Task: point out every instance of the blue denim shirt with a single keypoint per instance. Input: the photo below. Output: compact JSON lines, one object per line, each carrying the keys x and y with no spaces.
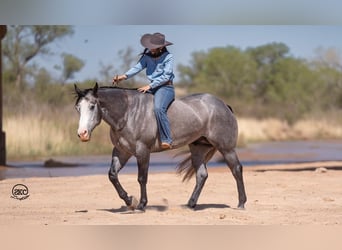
{"x":158,"y":70}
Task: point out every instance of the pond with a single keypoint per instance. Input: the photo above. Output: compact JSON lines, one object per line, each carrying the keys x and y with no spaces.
{"x":265,"y":153}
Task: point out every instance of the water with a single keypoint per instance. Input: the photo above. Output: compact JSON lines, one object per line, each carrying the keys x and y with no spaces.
{"x":265,"y":153}
{"x":291,"y":152}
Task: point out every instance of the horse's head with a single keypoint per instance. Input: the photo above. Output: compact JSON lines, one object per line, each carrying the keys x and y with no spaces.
{"x":88,"y":107}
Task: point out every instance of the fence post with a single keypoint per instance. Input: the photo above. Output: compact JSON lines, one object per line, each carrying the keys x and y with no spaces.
{"x":3,"y":30}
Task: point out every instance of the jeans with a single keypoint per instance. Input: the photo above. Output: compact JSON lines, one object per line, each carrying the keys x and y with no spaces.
{"x":163,"y":97}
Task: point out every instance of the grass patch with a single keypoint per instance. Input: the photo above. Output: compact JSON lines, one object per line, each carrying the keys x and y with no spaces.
{"x":31,"y":137}
{"x":37,"y":136}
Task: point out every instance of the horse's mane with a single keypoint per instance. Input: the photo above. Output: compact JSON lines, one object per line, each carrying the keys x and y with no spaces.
{"x":85,"y":91}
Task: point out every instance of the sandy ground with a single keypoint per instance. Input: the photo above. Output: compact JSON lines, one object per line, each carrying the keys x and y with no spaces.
{"x":292,"y":194}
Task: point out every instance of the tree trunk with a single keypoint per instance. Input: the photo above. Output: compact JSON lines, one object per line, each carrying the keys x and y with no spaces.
{"x":18,"y":81}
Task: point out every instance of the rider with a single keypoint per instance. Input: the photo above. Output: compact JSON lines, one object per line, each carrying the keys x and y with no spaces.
{"x":158,"y":63}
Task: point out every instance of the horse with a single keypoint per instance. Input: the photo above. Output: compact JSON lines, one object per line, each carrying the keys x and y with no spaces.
{"x":201,"y":121}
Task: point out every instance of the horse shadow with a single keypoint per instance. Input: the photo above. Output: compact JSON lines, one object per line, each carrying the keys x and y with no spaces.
{"x":126,"y":210}
{"x":162,"y":208}
{"x":200,"y":207}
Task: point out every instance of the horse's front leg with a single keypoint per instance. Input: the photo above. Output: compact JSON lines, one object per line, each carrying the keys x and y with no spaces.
{"x":143,"y":161}
{"x":119,"y":159}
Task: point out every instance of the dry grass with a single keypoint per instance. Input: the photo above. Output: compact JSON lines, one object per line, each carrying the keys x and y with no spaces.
{"x":251,"y":130}
{"x":312,"y":128}
{"x":31,"y":137}
{"x":28,"y":136}
{"x":46,"y":136}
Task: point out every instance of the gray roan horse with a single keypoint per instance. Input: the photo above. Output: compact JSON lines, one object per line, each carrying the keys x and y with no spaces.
{"x":202,"y":121}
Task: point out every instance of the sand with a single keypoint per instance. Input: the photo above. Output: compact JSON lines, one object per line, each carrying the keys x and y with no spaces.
{"x":291,"y":194}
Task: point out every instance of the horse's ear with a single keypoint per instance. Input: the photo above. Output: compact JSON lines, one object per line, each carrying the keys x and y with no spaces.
{"x":78,"y":91}
{"x":95,"y":88}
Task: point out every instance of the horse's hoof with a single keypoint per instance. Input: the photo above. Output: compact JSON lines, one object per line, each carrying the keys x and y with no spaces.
{"x":134,"y":203}
{"x":241,"y":207}
{"x":141,"y":207}
{"x":191,"y":205}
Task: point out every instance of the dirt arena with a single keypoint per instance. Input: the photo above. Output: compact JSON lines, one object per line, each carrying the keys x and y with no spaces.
{"x":290,"y":194}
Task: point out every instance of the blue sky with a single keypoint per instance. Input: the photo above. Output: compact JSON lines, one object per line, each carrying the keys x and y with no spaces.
{"x":101,"y":43}
{"x":171,"y":12}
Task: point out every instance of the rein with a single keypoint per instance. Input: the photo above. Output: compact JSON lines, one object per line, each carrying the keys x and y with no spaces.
{"x":116,"y":87}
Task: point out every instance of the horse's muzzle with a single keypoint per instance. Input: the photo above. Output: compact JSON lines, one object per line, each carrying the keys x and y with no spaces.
{"x":84,"y":136}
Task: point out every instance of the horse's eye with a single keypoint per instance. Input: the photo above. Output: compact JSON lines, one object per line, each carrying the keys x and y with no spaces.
{"x":77,"y":108}
{"x":91,"y":107}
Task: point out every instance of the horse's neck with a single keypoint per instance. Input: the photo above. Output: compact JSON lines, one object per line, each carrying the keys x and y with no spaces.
{"x":114,"y":106}
{"x":119,"y":106}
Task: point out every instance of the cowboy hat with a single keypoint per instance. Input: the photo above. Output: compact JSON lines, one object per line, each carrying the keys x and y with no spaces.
{"x":154,"y":41}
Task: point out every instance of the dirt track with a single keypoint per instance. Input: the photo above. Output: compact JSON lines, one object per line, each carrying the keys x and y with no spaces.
{"x":294,"y":194}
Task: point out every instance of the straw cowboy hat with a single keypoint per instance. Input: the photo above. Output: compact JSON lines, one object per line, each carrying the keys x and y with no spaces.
{"x":154,"y":41}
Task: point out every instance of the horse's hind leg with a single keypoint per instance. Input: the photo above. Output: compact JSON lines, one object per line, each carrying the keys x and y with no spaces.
{"x":119,"y":159}
{"x":235,"y":166}
{"x":200,"y":155}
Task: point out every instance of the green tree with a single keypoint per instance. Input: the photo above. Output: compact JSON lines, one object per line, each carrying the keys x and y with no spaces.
{"x":226,"y":72}
{"x":266,"y":80}
{"x":292,"y":89}
{"x":266,"y":56}
{"x":328,"y":64}
{"x":268,"y":53}
{"x":71,"y":65}
{"x":23,"y":43}
{"x":188,"y":74}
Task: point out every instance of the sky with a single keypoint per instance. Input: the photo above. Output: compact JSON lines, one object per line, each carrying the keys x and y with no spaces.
{"x":170,"y":12}
{"x":101,"y":43}
{"x":104,"y":27}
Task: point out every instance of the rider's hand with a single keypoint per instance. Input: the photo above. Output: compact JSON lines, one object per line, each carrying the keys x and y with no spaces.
{"x":118,"y":78}
{"x":144,"y":88}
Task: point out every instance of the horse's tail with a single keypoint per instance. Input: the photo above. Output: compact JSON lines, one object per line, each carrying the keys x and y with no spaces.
{"x":185,"y":168}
